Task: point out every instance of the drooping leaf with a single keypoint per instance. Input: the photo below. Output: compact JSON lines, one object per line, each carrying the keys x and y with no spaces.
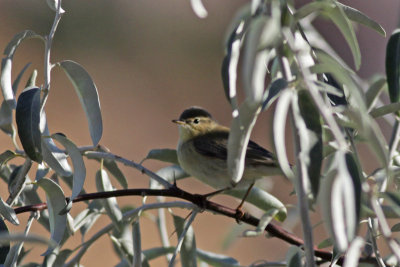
{"x":79,"y":174}
{"x":393,"y":66}
{"x":6,"y":156}
{"x":137,"y":244}
{"x":4,"y":248}
{"x":28,"y":122}
{"x":88,"y":96}
{"x":359,"y":17}
{"x":357,"y":178}
{"x":373,"y":92}
{"x":55,"y":204}
{"x":188,"y":249}
{"x":52,"y":155}
{"x":354,"y":252}
{"x":6,"y":65}
{"x":310,"y":114}
{"x":294,"y":257}
{"x":17,"y":181}
{"x":103,"y":184}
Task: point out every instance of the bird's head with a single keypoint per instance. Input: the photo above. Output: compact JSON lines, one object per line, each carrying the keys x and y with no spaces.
{"x":194,"y":122}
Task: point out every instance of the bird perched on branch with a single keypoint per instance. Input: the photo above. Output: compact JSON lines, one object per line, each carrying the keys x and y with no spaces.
{"x":203,"y":151}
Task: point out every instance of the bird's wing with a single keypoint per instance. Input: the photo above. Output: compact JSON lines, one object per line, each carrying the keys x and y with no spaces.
{"x":215,"y":145}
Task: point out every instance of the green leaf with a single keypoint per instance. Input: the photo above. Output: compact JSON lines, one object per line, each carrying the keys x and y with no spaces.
{"x":55,"y":204}
{"x":6,"y":156}
{"x":88,"y":96}
{"x":393,"y":66}
{"x":137,"y":244}
{"x":103,"y":184}
{"x":373,"y":92}
{"x":359,"y":17}
{"x":4,"y":248}
{"x":338,"y":17}
{"x":385,"y":110}
{"x":164,"y":154}
{"x":79,"y":175}
{"x":310,"y":114}
{"x":188,"y":250}
{"x":312,"y":7}
{"x":357,"y":178}
{"x":264,"y":221}
{"x":6,"y":65}
{"x":28,"y":120}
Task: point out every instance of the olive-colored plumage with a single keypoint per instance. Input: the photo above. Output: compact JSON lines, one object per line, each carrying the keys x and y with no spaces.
{"x":202,"y":152}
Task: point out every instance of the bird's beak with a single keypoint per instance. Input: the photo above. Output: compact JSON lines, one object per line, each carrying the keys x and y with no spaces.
{"x":178,"y":122}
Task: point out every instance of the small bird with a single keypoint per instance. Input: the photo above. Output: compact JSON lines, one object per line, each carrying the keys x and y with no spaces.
{"x":202,"y":152}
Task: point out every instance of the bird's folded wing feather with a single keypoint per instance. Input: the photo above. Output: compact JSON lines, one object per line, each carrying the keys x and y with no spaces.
{"x":215,"y":145}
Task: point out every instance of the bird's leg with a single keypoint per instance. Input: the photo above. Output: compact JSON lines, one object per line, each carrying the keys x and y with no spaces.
{"x":239,"y":211}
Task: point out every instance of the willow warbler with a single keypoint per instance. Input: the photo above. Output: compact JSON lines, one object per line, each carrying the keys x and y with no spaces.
{"x":202,"y":152}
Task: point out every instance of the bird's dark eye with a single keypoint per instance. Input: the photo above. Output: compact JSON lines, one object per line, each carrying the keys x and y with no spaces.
{"x":196,"y":121}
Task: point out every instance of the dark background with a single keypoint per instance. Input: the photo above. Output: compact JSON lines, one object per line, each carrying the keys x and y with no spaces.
{"x":150,"y":60}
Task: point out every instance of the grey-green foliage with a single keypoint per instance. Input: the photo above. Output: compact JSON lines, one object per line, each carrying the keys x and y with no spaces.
{"x":282,"y":59}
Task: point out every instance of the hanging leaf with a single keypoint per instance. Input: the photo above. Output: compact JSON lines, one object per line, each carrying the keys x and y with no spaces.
{"x":28,"y":120}
{"x":374,"y":91}
{"x":4,"y":248}
{"x":55,"y":204}
{"x":88,"y":96}
{"x":199,"y":8}
{"x":393,"y":66}
{"x":310,"y":114}
{"x":103,"y":184}
{"x":6,"y":65}
{"x":188,"y":250}
{"x":273,"y":91}
{"x":79,"y":174}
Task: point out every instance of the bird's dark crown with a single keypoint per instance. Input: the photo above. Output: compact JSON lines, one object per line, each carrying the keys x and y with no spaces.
{"x":193,"y":112}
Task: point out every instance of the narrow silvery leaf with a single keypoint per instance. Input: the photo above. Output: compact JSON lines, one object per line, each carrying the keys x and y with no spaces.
{"x":8,"y":212}
{"x":393,"y":66}
{"x":338,"y":17}
{"x":359,"y":17}
{"x":4,"y":248}
{"x":27,"y":117}
{"x":354,"y":252}
{"x":373,"y":92}
{"x":113,"y":168}
{"x":6,"y":111}
{"x":55,"y":204}
{"x":17,"y":181}
{"x":217,"y":260}
{"x":77,"y":162}
{"x":357,"y":179}
{"x":62,"y":257}
{"x":199,"y":9}
{"x":311,"y":7}
{"x":188,"y":249}
{"x":164,"y":154}
{"x":5,"y":238}
{"x":243,"y":122}
{"x":6,"y":65}
{"x":263,"y":32}
{"x":325,"y":243}
{"x":279,"y":129}
{"x":110,"y":204}
{"x":6,"y":156}
{"x":385,"y":110}
{"x":53,"y":4}
{"x":137,"y":244}
{"x":261,"y":199}
{"x":88,"y":96}
{"x":52,"y":155}
{"x":310,"y":114}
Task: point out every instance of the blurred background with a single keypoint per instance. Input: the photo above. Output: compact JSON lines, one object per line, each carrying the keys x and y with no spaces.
{"x":150,"y":60}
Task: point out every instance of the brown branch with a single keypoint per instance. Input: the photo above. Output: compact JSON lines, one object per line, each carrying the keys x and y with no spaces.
{"x":273,"y":229}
